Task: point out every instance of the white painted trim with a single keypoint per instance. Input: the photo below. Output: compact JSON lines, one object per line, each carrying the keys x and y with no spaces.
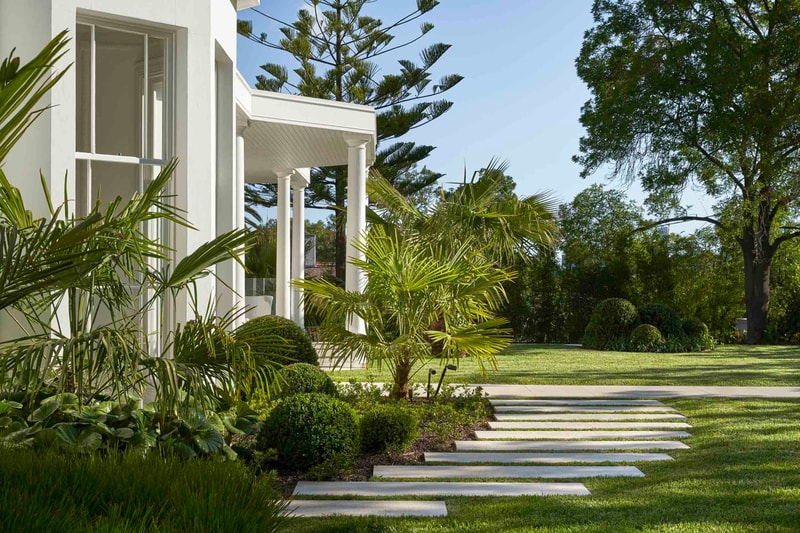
{"x":128,"y":159}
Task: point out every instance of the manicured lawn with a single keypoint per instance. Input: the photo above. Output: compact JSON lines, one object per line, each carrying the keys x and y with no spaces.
{"x":741,"y":474}
{"x":566,"y":365}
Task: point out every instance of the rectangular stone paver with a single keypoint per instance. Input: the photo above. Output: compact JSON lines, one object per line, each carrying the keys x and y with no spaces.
{"x":548,"y":458}
{"x":574,"y":402}
{"x":569,"y":435}
{"x":588,"y":425}
{"x":566,"y":445}
{"x":492,"y":471}
{"x":587,"y":416}
{"x":582,"y":409}
{"x":314,"y":508}
{"x":436,"y":489}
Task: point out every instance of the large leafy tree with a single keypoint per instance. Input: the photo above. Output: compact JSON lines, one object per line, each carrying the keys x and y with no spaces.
{"x":337,"y":48}
{"x":706,"y":94}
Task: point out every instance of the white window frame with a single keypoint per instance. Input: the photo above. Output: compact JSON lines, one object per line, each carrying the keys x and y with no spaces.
{"x":168,"y":136}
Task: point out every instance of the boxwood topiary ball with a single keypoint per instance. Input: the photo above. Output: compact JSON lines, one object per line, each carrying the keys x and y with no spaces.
{"x":612,"y":319}
{"x":259,"y":334}
{"x":310,"y":429}
{"x":645,"y":336}
{"x":300,"y":378}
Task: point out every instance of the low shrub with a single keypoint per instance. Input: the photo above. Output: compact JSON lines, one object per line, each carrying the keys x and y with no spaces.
{"x":662,"y":317}
{"x":694,"y":327}
{"x":611,"y":319}
{"x":387,"y":428}
{"x":646,"y":337}
{"x":51,"y":492}
{"x":310,"y":429}
{"x":299,"y":378}
{"x":260,"y":334}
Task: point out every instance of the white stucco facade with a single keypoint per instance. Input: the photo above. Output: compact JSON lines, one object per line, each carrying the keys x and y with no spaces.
{"x":223,"y":132}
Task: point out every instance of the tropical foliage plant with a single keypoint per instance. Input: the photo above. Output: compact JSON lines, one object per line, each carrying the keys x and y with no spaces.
{"x":435,"y":277}
{"x":88,"y":294}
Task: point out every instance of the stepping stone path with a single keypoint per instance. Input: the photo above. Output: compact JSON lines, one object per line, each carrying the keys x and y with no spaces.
{"x":561,"y":433}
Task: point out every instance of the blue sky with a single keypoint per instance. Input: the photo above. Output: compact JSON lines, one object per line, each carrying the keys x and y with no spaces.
{"x":520,"y":99}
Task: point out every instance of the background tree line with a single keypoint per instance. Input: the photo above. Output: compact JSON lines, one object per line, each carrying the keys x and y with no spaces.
{"x":603,"y":254}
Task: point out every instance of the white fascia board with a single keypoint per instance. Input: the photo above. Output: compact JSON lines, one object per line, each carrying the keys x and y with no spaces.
{"x":313,"y":112}
{"x":246,"y":4}
{"x":242,"y":94}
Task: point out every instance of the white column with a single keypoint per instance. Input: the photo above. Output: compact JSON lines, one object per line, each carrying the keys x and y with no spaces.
{"x":355,"y":279}
{"x":238,"y":273}
{"x":282,"y":287}
{"x":298,"y":251}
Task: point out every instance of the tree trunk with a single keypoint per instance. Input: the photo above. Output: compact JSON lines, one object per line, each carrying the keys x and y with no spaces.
{"x":402,"y":371}
{"x":756,"y":287}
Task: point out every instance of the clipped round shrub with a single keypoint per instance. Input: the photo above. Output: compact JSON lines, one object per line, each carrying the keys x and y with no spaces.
{"x":645,"y":336}
{"x":662,"y":317}
{"x":308,"y":430}
{"x":300,"y":378}
{"x":387,"y":428}
{"x":262,"y":334}
{"x":694,"y":327}
{"x":611,"y":319}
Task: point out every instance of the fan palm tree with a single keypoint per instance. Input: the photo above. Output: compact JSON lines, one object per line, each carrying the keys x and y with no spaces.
{"x":435,"y":278}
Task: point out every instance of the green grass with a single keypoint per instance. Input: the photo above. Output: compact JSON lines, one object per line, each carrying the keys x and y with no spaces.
{"x":564,"y":365}
{"x":741,"y":474}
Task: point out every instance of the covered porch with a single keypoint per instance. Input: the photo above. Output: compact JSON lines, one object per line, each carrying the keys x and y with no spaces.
{"x":279,"y":138}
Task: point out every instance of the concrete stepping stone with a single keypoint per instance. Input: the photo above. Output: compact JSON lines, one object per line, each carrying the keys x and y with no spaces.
{"x":588,"y":425}
{"x":436,"y":489}
{"x":589,"y":434}
{"x":315,"y":508}
{"x":566,"y":445}
{"x":491,"y":471}
{"x":587,"y":416}
{"x":582,"y":409}
{"x":549,"y":458}
{"x":574,"y":402}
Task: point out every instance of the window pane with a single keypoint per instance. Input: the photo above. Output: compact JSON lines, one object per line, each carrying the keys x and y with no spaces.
{"x":157,"y":137}
{"x":110,"y":180}
{"x":83,"y":81}
{"x":83,"y":199}
{"x":119,"y":87}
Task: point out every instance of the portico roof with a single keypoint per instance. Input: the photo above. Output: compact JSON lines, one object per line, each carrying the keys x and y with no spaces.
{"x":285,"y":131}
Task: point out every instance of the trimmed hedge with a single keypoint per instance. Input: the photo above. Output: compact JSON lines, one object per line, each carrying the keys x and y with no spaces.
{"x":387,"y":428}
{"x":646,"y":337}
{"x":694,"y":327}
{"x":260,"y":334}
{"x":662,"y":317}
{"x":308,"y":430}
{"x":301,"y":378}
{"x":612,"y":319}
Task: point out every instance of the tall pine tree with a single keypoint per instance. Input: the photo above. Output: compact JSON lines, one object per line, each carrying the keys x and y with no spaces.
{"x":336,"y":47}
